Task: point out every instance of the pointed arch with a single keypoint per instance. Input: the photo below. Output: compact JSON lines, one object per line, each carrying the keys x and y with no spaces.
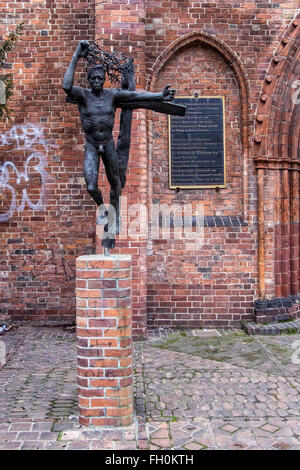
{"x":233,"y":61}
{"x":276,"y":148}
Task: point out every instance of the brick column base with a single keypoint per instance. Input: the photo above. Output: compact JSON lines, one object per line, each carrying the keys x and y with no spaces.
{"x":103,"y":318}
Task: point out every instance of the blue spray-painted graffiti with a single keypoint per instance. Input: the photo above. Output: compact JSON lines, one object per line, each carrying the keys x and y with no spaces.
{"x":23,"y":137}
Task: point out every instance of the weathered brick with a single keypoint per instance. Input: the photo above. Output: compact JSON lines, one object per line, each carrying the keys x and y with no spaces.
{"x":119,"y":411}
{"x":104,"y":402}
{"x":104,"y":363}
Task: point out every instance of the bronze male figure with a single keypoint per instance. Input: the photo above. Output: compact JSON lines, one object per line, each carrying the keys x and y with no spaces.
{"x":97,"y":107}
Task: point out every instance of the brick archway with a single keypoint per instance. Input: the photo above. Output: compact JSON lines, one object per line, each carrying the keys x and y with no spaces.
{"x":276,"y":154}
{"x":183,"y":284}
{"x":229,"y":56}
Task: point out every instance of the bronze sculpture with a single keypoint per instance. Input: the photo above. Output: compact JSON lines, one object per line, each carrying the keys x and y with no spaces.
{"x":97,"y":107}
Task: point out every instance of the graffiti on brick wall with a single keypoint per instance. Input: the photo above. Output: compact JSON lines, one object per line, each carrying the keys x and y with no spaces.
{"x":23,"y":137}
{"x":5,"y":176}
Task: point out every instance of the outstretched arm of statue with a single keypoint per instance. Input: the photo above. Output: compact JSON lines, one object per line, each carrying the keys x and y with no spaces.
{"x":124,"y":96}
{"x":68,"y":80}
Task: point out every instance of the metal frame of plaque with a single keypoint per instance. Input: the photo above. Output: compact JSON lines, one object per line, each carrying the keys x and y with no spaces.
{"x":222,"y":148}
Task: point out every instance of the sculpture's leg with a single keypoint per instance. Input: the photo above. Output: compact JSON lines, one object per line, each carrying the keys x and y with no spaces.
{"x":111,"y":165}
{"x":91,"y":169}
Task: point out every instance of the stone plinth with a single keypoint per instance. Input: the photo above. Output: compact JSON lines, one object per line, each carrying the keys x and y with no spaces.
{"x":103,"y":318}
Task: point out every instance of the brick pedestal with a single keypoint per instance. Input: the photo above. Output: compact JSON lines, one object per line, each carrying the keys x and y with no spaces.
{"x":103,"y":317}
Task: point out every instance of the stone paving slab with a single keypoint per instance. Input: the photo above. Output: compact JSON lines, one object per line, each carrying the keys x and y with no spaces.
{"x":192,"y":392}
{"x":236,"y":348}
{"x":239,"y":401}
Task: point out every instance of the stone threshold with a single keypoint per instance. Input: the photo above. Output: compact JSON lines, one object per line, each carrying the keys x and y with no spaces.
{"x":273,"y":328}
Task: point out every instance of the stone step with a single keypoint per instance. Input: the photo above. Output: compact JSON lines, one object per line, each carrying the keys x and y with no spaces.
{"x":274,"y":328}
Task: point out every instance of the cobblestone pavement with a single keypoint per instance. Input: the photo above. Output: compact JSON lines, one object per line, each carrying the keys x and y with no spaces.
{"x":195,"y":390}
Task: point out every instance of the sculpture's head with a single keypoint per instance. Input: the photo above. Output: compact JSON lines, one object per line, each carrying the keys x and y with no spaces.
{"x":96,"y":77}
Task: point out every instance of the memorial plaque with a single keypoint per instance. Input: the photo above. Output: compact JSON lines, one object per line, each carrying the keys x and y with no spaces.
{"x":197,"y":144}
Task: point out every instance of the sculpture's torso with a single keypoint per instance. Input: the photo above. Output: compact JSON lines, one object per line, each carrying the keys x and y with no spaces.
{"x":97,"y":112}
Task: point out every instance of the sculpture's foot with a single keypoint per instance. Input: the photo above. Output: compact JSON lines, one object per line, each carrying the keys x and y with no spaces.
{"x":102,"y":219}
{"x":108,"y":244}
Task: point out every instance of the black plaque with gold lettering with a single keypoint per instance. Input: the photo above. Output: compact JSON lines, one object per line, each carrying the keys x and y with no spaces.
{"x":197,"y":144}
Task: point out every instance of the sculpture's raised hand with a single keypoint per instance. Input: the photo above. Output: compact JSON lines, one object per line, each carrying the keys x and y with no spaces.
{"x":82,"y":49}
{"x":168,"y":95}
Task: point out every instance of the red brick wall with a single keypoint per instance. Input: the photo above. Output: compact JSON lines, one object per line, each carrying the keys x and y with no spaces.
{"x":40,"y":246}
{"x":218,"y":284}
